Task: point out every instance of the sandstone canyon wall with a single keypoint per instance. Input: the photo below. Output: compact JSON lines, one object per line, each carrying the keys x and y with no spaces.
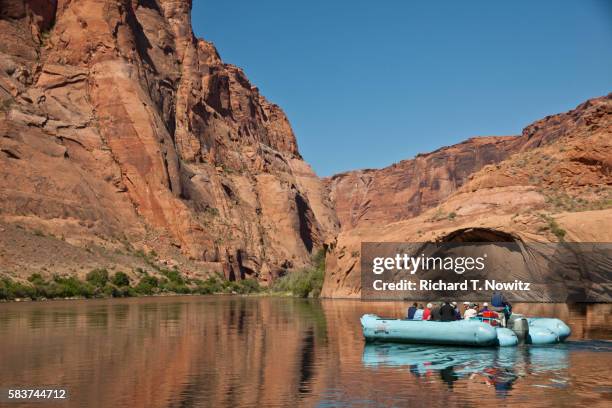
{"x":405,"y":189}
{"x":552,"y":183}
{"x":120,"y":132}
{"x":410,"y":187}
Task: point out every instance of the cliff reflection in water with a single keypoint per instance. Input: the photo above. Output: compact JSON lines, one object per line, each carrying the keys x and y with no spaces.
{"x":234,"y":351}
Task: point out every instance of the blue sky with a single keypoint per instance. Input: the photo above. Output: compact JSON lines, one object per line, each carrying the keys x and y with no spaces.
{"x":369,"y":83}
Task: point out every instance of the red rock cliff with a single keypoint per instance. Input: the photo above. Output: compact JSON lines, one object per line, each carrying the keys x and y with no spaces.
{"x":121,"y":130}
{"x":554,"y":182}
{"x":405,"y":189}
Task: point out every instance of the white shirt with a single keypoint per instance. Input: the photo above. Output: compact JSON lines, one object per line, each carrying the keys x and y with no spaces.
{"x":470,"y":313}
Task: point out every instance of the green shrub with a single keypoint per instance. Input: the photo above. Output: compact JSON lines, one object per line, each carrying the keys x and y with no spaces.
{"x":305,"y":282}
{"x":4,"y":292}
{"x":208,"y":286}
{"x":242,"y":287}
{"x":175,"y":287}
{"x":173,"y":275}
{"x":46,"y":290}
{"x":249,"y":286}
{"x":144,"y":288}
{"x":120,"y":279}
{"x":97,"y":277}
{"x":38,"y":287}
{"x":553,"y":226}
{"x":147,"y":285}
{"x":229,"y":287}
{"x":557,"y":230}
{"x":111,"y":290}
{"x":212,"y":211}
{"x":36,"y":279}
{"x":150,"y":280}
{"x":71,"y":286}
{"x":318,"y":259}
{"x":10,"y":290}
{"x":301,"y":283}
{"x":98,"y":283}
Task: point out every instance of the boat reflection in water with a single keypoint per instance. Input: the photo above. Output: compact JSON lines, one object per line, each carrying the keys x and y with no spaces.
{"x":499,"y":367}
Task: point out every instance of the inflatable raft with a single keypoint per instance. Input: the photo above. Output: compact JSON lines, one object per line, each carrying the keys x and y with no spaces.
{"x":472,"y":332}
{"x":545,"y":330}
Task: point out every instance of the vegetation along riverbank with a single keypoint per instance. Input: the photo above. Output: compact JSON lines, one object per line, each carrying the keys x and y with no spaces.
{"x":100,"y":283}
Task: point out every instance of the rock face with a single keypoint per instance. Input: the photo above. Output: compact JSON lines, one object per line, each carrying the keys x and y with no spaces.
{"x":410,"y":187}
{"x":120,"y":131}
{"x":554,"y":182}
{"x":407,"y":188}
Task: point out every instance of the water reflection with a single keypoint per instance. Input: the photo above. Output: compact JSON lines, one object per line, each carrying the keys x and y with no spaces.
{"x":498,"y":367}
{"x":235,"y":351}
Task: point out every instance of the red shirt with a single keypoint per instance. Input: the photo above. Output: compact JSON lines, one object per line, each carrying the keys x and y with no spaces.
{"x":426,"y":314}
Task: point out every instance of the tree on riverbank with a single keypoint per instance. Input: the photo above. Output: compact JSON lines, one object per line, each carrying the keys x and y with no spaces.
{"x":306,"y":282}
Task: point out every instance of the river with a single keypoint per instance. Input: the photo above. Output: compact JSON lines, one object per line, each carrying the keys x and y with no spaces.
{"x":228,"y":351}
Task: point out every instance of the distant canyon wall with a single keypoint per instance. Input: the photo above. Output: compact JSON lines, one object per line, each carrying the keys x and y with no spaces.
{"x":552,"y":183}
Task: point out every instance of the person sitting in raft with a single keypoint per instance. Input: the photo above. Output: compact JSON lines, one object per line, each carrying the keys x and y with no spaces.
{"x":447,"y":312}
{"x":501,"y":304}
{"x":485,"y":307}
{"x":466,"y":306}
{"x":491,"y":317}
{"x":457,"y":311}
{"x":471,"y":312}
{"x":435,"y":312}
{"x":411,"y":310}
{"x":418,"y":314}
{"x":427,"y":312}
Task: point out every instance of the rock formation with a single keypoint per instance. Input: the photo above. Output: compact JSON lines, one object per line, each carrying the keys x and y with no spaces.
{"x":405,"y":189}
{"x":410,"y":187}
{"x":554,"y":182}
{"x":121,"y":131}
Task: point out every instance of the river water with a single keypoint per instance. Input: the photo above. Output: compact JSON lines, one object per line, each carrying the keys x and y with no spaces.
{"x":228,"y":351}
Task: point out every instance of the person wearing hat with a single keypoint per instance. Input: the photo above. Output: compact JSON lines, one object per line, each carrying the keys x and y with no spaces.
{"x":485,"y":308}
{"x":427,"y":312}
{"x":471,"y":312}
